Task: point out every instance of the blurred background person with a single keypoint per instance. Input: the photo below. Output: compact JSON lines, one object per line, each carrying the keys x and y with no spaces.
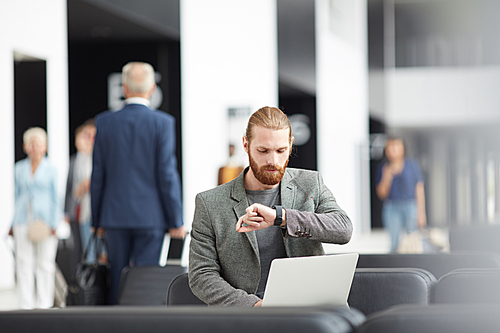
{"x":77,"y":201}
{"x":231,"y":170}
{"x":35,"y":200}
{"x":400,"y":185}
{"x":135,"y":191}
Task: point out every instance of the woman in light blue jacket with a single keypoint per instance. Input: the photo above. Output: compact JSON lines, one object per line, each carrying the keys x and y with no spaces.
{"x":36,"y":200}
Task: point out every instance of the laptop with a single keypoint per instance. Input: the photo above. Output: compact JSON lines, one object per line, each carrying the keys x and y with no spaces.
{"x":311,"y":281}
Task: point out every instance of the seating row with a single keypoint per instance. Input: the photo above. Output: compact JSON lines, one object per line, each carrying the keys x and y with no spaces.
{"x":437,"y":263}
{"x":382,"y":300}
{"x":148,"y":285}
{"x":376,"y":289}
{"x":442,"y":318}
{"x":373,"y":289}
{"x":131,"y":319}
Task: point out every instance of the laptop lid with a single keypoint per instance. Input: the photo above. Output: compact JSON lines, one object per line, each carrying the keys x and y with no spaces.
{"x":310,"y":281}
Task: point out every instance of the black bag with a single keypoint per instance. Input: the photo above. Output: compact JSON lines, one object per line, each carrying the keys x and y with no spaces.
{"x":91,"y":282}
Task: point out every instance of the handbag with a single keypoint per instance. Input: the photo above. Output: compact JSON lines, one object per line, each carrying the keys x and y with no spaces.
{"x":425,"y":240}
{"x":411,"y":243}
{"x":38,"y":231}
{"x":91,"y":282}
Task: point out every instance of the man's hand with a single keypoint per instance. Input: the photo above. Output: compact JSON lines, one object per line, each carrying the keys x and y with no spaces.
{"x":179,"y":233}
{"x":83,"y":187}
{"x":421,"y":220}
{"x":393,"y":169}
{"x":257,"y":217}
{"x":100,"y":231}
{"x":258,"y":304}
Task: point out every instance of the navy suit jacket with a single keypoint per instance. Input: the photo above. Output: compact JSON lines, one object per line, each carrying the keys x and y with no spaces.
{"x":135,"y":183}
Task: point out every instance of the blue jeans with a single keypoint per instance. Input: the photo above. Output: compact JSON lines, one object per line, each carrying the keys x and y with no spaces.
{"x":399,"y":215}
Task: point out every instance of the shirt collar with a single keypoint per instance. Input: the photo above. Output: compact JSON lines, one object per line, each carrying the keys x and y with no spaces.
{"x":40,"y":166}
{"x":138,"y":100}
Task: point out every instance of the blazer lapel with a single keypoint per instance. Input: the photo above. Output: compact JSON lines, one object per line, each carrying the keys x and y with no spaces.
{"x":287,"y":191}
{"x":238,"y":193}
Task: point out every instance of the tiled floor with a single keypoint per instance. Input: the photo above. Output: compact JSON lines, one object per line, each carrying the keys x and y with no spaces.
{"x":8,"y":300}
{"x":375,"y":242}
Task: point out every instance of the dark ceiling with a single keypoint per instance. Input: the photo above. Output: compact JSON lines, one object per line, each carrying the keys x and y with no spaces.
{"x":102,"y":21}
{"x":114,"y":20}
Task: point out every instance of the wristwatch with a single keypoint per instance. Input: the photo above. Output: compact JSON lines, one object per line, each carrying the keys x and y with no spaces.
{"x":279,"y":215}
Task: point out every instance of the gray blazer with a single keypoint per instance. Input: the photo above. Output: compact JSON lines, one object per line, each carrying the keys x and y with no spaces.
{"x":224,"y":265}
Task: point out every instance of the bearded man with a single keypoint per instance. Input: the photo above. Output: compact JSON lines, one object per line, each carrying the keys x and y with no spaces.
{"x":269,"y":211}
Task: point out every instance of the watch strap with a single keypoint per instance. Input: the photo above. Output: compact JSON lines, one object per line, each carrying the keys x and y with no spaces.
{"x":279,"y":215}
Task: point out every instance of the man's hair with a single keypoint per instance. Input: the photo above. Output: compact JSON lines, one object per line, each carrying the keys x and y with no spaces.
{"x":35,"y":132}
{"x":392,"y":137}
{"x":89,"y":122}
{"x":139,"y":77}
{"x":271,"y":118}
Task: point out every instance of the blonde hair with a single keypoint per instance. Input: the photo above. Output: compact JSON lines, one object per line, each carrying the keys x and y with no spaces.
{"x":271,"y":118}
{"x":34,"y":132}
{"x":139,"y":77}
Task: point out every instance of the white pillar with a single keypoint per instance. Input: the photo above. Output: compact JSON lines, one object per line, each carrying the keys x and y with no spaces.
{"x":58,"y":118}
{"x":342,"y":105}
{"x":228,"y":60}
{"x":7,"y":164}
{"x":57,"y":95}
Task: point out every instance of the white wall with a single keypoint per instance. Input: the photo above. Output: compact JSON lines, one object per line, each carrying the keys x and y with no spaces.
{"x":6,"y":164}
{"x":342,"y":105}
{"x":442,"y":96}
{"x":376,"y":82}
{"x":228,"y":59}
{"x":36,"y":28}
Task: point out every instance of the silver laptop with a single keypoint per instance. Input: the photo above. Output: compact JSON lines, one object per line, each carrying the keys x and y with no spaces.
{"x":311,"y":281}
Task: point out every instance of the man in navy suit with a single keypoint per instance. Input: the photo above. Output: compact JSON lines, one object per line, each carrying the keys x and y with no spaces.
{"x":135,"y":187}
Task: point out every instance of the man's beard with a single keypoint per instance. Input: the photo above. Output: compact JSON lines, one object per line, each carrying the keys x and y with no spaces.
{"x":264,"y":177}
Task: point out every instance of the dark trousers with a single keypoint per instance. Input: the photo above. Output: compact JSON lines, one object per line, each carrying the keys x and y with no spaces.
{"x":77,"y":252}
{"x":131,"y":247}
